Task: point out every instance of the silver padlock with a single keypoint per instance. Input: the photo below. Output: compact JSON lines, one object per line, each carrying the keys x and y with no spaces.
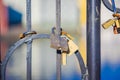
{"x":60,"y":44}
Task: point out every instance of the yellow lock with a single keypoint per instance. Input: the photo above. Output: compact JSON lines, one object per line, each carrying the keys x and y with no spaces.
{"x":68,"y":35}
{"x":64,"y":58}
{"x":108,"y":23}
{"x":117,"y":23}
{"x":72,"y":47}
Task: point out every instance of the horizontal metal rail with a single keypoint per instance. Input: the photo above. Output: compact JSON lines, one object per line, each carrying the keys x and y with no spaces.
{"x":38,"y":36}
{"x":29,"y":40}
{"x":15,"y":46}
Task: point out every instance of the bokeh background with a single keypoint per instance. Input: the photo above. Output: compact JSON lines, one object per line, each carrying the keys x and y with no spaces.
{"x":13,"y":18}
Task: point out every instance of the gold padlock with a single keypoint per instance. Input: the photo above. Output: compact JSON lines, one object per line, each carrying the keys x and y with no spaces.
{"x":117,"y":23}
{"x":64,"y":58}
{"x":72,"y":47}
{"x":108,"y":23}
{"x":68,"y":35}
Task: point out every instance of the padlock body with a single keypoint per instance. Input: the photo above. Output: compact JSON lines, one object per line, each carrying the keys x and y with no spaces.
{"x":64,"y":58}
{"x":108,"y":23}
{"x":72,"y":47}
{"x":56,"y":44}
{"x":117,"y":23}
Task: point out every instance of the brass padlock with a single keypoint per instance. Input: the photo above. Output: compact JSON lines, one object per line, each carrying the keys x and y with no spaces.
{"x":117,"y":23}
{"x":67,"y":35}
{"x":72,"y":47}
{"x":64,"y":58}
{"x":108,"y":23}
{"x":116,"y":28}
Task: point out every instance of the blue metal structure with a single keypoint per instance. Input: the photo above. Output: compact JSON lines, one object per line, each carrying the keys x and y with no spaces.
{"x":93,"y":39}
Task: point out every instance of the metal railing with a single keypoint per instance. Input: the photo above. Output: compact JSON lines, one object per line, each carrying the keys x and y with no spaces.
{"x":28,"y":41}
{"x":93,"y":41}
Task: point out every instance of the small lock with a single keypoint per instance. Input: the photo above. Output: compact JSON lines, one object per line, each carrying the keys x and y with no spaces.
{"x":108,"y":23}
{"x":72,"y":47}
{"x":116,"y":28}
{"x":117,"y":23}
{"x":64,"y":58}
{"x":63,"y":45}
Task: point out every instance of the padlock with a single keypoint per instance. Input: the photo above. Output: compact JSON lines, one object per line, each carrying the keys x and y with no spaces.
{"x":64,"y":58}
{"x":72,"y":47}
{"x":116,"y":28}
{"x":59,"y":43}
{"x":108,"y":23}
{"x":117,"y":23}
{"x":63,"y":45}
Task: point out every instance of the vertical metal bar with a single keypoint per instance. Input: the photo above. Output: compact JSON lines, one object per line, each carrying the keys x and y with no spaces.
{"x":58,"y":17}
{"x":58,"y":64}
{"x":93,"y":39}
{"x":29,"y":60}
{"x":58,"y":32}
{"x":29,"y":43}
{"x":28,"y":14}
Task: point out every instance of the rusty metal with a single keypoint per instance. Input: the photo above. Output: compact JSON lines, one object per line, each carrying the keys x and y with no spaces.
{"x":23,"y":35}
